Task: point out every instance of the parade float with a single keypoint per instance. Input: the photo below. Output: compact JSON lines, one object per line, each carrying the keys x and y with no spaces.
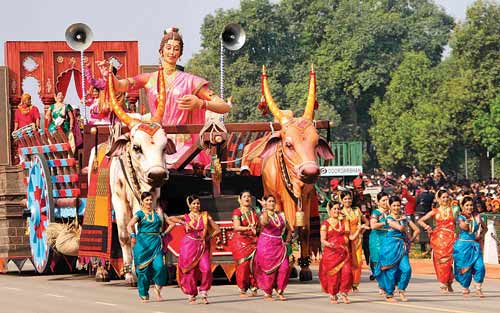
{"x":61,"y":196}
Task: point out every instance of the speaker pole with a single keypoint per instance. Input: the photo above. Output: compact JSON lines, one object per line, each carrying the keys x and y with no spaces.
{"x":221,"y":69}
{"x":85,"y":120}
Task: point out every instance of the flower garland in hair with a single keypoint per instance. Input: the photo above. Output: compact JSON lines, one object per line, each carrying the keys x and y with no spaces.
{"x":171,"y":30}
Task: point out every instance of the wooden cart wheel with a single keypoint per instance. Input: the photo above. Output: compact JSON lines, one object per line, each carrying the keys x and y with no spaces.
{"x":40,"y":204}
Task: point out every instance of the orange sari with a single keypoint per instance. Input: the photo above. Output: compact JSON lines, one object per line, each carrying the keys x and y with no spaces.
{"x":353,"y":216}
{"x":442,"y":239}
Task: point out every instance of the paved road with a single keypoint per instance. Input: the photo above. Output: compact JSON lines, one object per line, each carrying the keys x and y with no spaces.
{"x":30,"y":293}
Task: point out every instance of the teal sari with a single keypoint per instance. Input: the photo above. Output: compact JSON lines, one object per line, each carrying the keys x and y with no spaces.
{"x":468,"y":256}
{"x":148,"y":253}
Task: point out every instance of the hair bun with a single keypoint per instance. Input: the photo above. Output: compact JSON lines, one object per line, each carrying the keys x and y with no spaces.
{"x":171,"y":30}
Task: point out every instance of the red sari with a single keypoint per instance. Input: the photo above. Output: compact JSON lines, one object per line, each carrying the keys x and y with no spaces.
{"x":442,"y":240}
{"x":243,"y":248}
{"x":335,"y":273}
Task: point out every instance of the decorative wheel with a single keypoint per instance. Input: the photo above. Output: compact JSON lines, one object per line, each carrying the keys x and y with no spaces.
{"x":41,"y":207}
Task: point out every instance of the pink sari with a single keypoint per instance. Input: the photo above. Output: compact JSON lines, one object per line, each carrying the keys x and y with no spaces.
{"x":270,"y":265}
{"x":182,"y":84}
{"x":194,"y":259}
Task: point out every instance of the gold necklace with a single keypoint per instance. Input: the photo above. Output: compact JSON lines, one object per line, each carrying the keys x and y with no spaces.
{"x":275,"y":219}
{"x":349,"y":212}
{"x":336,"y":224}
{"x":169,"y":68}
{"x":193,"y":217}
{"x":150,"y":217}
{"x":247,"y":218}
{"x":471,"y":224}
{"x":444,"y":216}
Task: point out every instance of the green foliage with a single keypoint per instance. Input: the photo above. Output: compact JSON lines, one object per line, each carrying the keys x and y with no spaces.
{"x":409,"y":129}
{"x":432,"y":111}
{"x":355,"y":46}
{"x":487,"y":126}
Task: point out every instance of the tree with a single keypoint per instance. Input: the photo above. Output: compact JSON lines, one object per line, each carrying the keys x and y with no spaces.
{"x":411,"y":127}
{"x":355,"y":46}
{"x":476,"y":46}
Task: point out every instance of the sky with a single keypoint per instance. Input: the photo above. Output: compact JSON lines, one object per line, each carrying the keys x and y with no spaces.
{"x":144,"y":21}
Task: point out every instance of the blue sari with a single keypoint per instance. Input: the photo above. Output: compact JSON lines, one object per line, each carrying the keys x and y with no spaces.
{"x":376,"y":236}
{"x":148,"y":253}
{"x":468,"y":255}
{"x":393,"y":267}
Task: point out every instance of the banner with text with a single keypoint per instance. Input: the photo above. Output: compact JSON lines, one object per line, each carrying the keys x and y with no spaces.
{"x":340,"y":170}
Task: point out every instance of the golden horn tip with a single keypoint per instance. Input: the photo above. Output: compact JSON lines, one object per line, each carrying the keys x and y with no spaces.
{"x":264,"y":69}
{"x":312,"y":67}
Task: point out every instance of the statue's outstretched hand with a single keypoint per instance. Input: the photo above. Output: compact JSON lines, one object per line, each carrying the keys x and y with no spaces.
{"x":103,"y":66}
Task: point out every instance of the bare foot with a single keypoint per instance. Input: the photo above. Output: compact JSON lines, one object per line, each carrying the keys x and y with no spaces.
{"x":192,"y":300}
{"x":334,"y":300}
{"x":144,"y":299}
{"x":157,"y":291}
{"x":205,"y":300}
{"x":444,"y":289}
{"x":345,"y":299}
{"x":253,"y":293}
{"x":281,"y":297}
{"x":381,"y":292}
{"x":268,"y":298}
{"x":480,"y":293}
{"x":450,"y":289}
{"x":243,"y":295}
{"x":355,"y":289}
{"x":403,"y":296}
{"x":390,"y":299}
{"x":466,"y":292}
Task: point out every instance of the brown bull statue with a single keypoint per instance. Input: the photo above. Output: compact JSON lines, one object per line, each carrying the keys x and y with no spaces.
{"x":289,"y":164}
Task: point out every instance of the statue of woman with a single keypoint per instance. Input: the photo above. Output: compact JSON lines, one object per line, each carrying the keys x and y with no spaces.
{"x":187,"y":96}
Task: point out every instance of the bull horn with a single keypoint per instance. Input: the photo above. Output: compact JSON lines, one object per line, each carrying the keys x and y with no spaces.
{"x":311,"y":95}
{"x":273,"y":107}
{"x":117,"y":108}
{"x":160,"y":108}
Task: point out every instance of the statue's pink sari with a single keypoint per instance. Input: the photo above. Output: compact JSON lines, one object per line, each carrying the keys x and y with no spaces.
{"x":182,"y":84}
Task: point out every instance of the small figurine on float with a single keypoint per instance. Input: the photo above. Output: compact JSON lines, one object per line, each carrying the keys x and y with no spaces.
{"x":26,"y":113}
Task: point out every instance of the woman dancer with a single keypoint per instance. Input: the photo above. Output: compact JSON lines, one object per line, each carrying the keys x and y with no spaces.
{"x":335,"y":273}
{"x":379,"y":229}
{"x":442,"y":238}
{"x":243,"y":244}
{"x":147,"y":247}
{"x":195,"y":257}
{"x":467,"y":252}
{"x":271,"y":267}
{"x":355,"y":219}
{"x":393,"y":268}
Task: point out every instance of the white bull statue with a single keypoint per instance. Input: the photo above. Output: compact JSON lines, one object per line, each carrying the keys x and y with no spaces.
{"x":138,"y":165}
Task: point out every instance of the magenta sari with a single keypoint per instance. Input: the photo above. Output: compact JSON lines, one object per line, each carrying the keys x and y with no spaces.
{"x":194,"y":258}
{"x":270,"y":265}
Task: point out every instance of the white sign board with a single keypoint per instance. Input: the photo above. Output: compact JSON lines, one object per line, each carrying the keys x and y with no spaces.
{"x":340,"y":170}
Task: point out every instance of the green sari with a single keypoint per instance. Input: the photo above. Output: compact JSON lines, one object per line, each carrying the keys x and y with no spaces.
{"x":58,"y":114}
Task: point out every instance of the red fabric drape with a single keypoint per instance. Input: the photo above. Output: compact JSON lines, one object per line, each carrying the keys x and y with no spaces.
{"x":64,"y":78}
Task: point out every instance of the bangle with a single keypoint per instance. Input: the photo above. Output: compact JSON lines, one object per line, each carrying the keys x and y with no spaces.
{"x":204,"y":105}
{"x":132,"y":235}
